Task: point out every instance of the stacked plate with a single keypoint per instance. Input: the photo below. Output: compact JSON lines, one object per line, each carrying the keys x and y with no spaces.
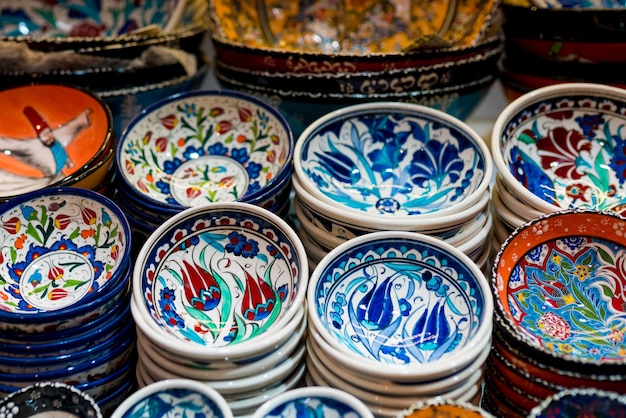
{"x":65,"y":313}
{"x":199,"y":148}
{"x":45,"y":145}
{"x":557,"y":148}
{"x":396,"y":318}
{"x":558,"y":282}
{"x":218,"y":297}
{"x":392,"y":166}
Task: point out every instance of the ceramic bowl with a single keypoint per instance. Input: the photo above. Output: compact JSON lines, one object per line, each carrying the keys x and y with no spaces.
{"x":49,"y":398}
{"x":557,"y":283}
{"x":392,"y":160}
{"x":64,"y":250}
{"x":558,"y":147}
{"x":204,"y":146}
{"x":220,"y":281}
{"x":45,"y":144}
{"x":295,"y":402}
{"x":582,"y":402}
{"x":440,"y":408}
{"x":367,"y":296}
{"x":295,"y":27}
{"x":181,"y":395}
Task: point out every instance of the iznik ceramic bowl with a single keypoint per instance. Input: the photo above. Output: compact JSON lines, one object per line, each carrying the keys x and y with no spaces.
{"x":82,"y":18}
{"x":49,"y":399}
{"x":443,"y":408}
{"x":62,"y":249}
{"x":182,"y":397}
{"x":583,"y":402}
{"x":393,"y":160}
{"x":313,"y":401}
{"x":220,"y":281}
{"x":44,"y":144}
{"x":404,"y":305}
{"x":559,"y":282}
{"x":561,"y":147}
{"x":204,"y":146}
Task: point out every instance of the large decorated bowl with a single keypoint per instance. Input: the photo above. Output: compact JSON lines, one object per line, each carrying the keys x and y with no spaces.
{"x":44,"y":144}
{"x":220,"y":282}
{"x":582,"y":402}
{"x":559,"y":286}
{"x":561,"y":147}
{"x":402,"y":305}
{"x":393,"y":160}
{"x":204,"y":146}
{"x":63,"y":250}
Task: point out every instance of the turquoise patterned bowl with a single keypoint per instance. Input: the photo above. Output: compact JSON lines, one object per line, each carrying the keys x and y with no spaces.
{"x":395,"y":161}
{"x":311,"y":401}
{"x":562,"y":147}
{"x":559,"y":283}
{"x":175,"y":397}
{"x":220,"y":282}
{"x":401,"y":306}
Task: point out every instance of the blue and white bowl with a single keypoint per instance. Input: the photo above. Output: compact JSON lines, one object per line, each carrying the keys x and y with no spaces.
{"x":401,"y":306}
{"x":176,"y":397}
{"x":393,"y":161}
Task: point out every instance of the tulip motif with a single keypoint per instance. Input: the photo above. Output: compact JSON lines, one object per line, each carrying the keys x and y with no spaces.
{"x":200,"y":287}
{"x":258,"y":300}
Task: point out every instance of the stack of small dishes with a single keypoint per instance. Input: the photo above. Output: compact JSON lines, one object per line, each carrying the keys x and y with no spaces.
{"x":309,"y":60}
{"x":178,"y":397}
{"x":218,"y":297}
{"x":65,"y":313}
{"x":579,"y":41}
{"x":582,"y":402}
{"x":50,"y":399}
{"x":403,"y":317}
{"x":313,"y":401}
{"x":105,"y":46}
{"x":558,"y":283}
{"x":199,"y":148}
{"x":558,"y":147}
{"x":44,"y":144}
{"x":392,"y":166}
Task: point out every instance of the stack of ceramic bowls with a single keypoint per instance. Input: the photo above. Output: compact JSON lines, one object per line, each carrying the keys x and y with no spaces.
{"x":568,"y":41}
{"x":309,"y":60}
{"x":392,"y":166}
{"x":218,"y":297}
{"x":199,"y":148}
{"x":580,"y":402}
{"x":44,"y":144}
{"x":65,"y":290}
{"x":176,"y":397}
{"x":128,"y":55}
{"x":396,"y":318}
{"x":558,"y":147}
{"x":559,"y":313}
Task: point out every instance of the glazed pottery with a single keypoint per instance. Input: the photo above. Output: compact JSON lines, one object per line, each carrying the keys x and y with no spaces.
{"x":557,"y":281}
{"x":222,"y":281}
{"x":581,"y":403}
{"x":368,"y":294}
{"x":441,"y":408}
{"x":559,"y":147}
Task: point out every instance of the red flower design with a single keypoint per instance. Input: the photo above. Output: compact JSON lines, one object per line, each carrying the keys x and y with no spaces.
{"x":562,"y":149}
{"x":62,"y":221}
{"x":577,"y":191}
{"x":13,"y":225}
{"x":201,"y":289}
{"x":89,"y":215}
{"x":258,"y":299}
{"x":57,"y":293}
{"x":216,"y":111}
{"x":169,"y":121}
{"x":223,"y":126}
{"x":161,"y":144}
{"x":554,"y":326}
{"x":245,"y":114}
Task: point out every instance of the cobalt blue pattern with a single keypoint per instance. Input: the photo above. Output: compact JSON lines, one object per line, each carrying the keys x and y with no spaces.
{"x":313,"y":407}
{"x":393,"y":161}
{"x":173,"y":403}
{"x":400,"y":301}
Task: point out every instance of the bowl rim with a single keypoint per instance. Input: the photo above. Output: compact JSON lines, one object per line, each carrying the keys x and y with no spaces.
{"x":192,"y":385}
{"x":278,"y":331}
{"x":216,"y":93}
{"x":510,"y":330}
{"x":599,"y":91}
{"x":416,"y":372}
{"x":409,"y":109}
{"x":109,"y":289}
{"x":313,"y":391}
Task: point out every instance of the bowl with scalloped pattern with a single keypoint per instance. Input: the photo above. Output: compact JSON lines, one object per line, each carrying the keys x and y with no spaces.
{"x":395,"y":161}
{"x":562,"y":147}
{"x":402,"y":305}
